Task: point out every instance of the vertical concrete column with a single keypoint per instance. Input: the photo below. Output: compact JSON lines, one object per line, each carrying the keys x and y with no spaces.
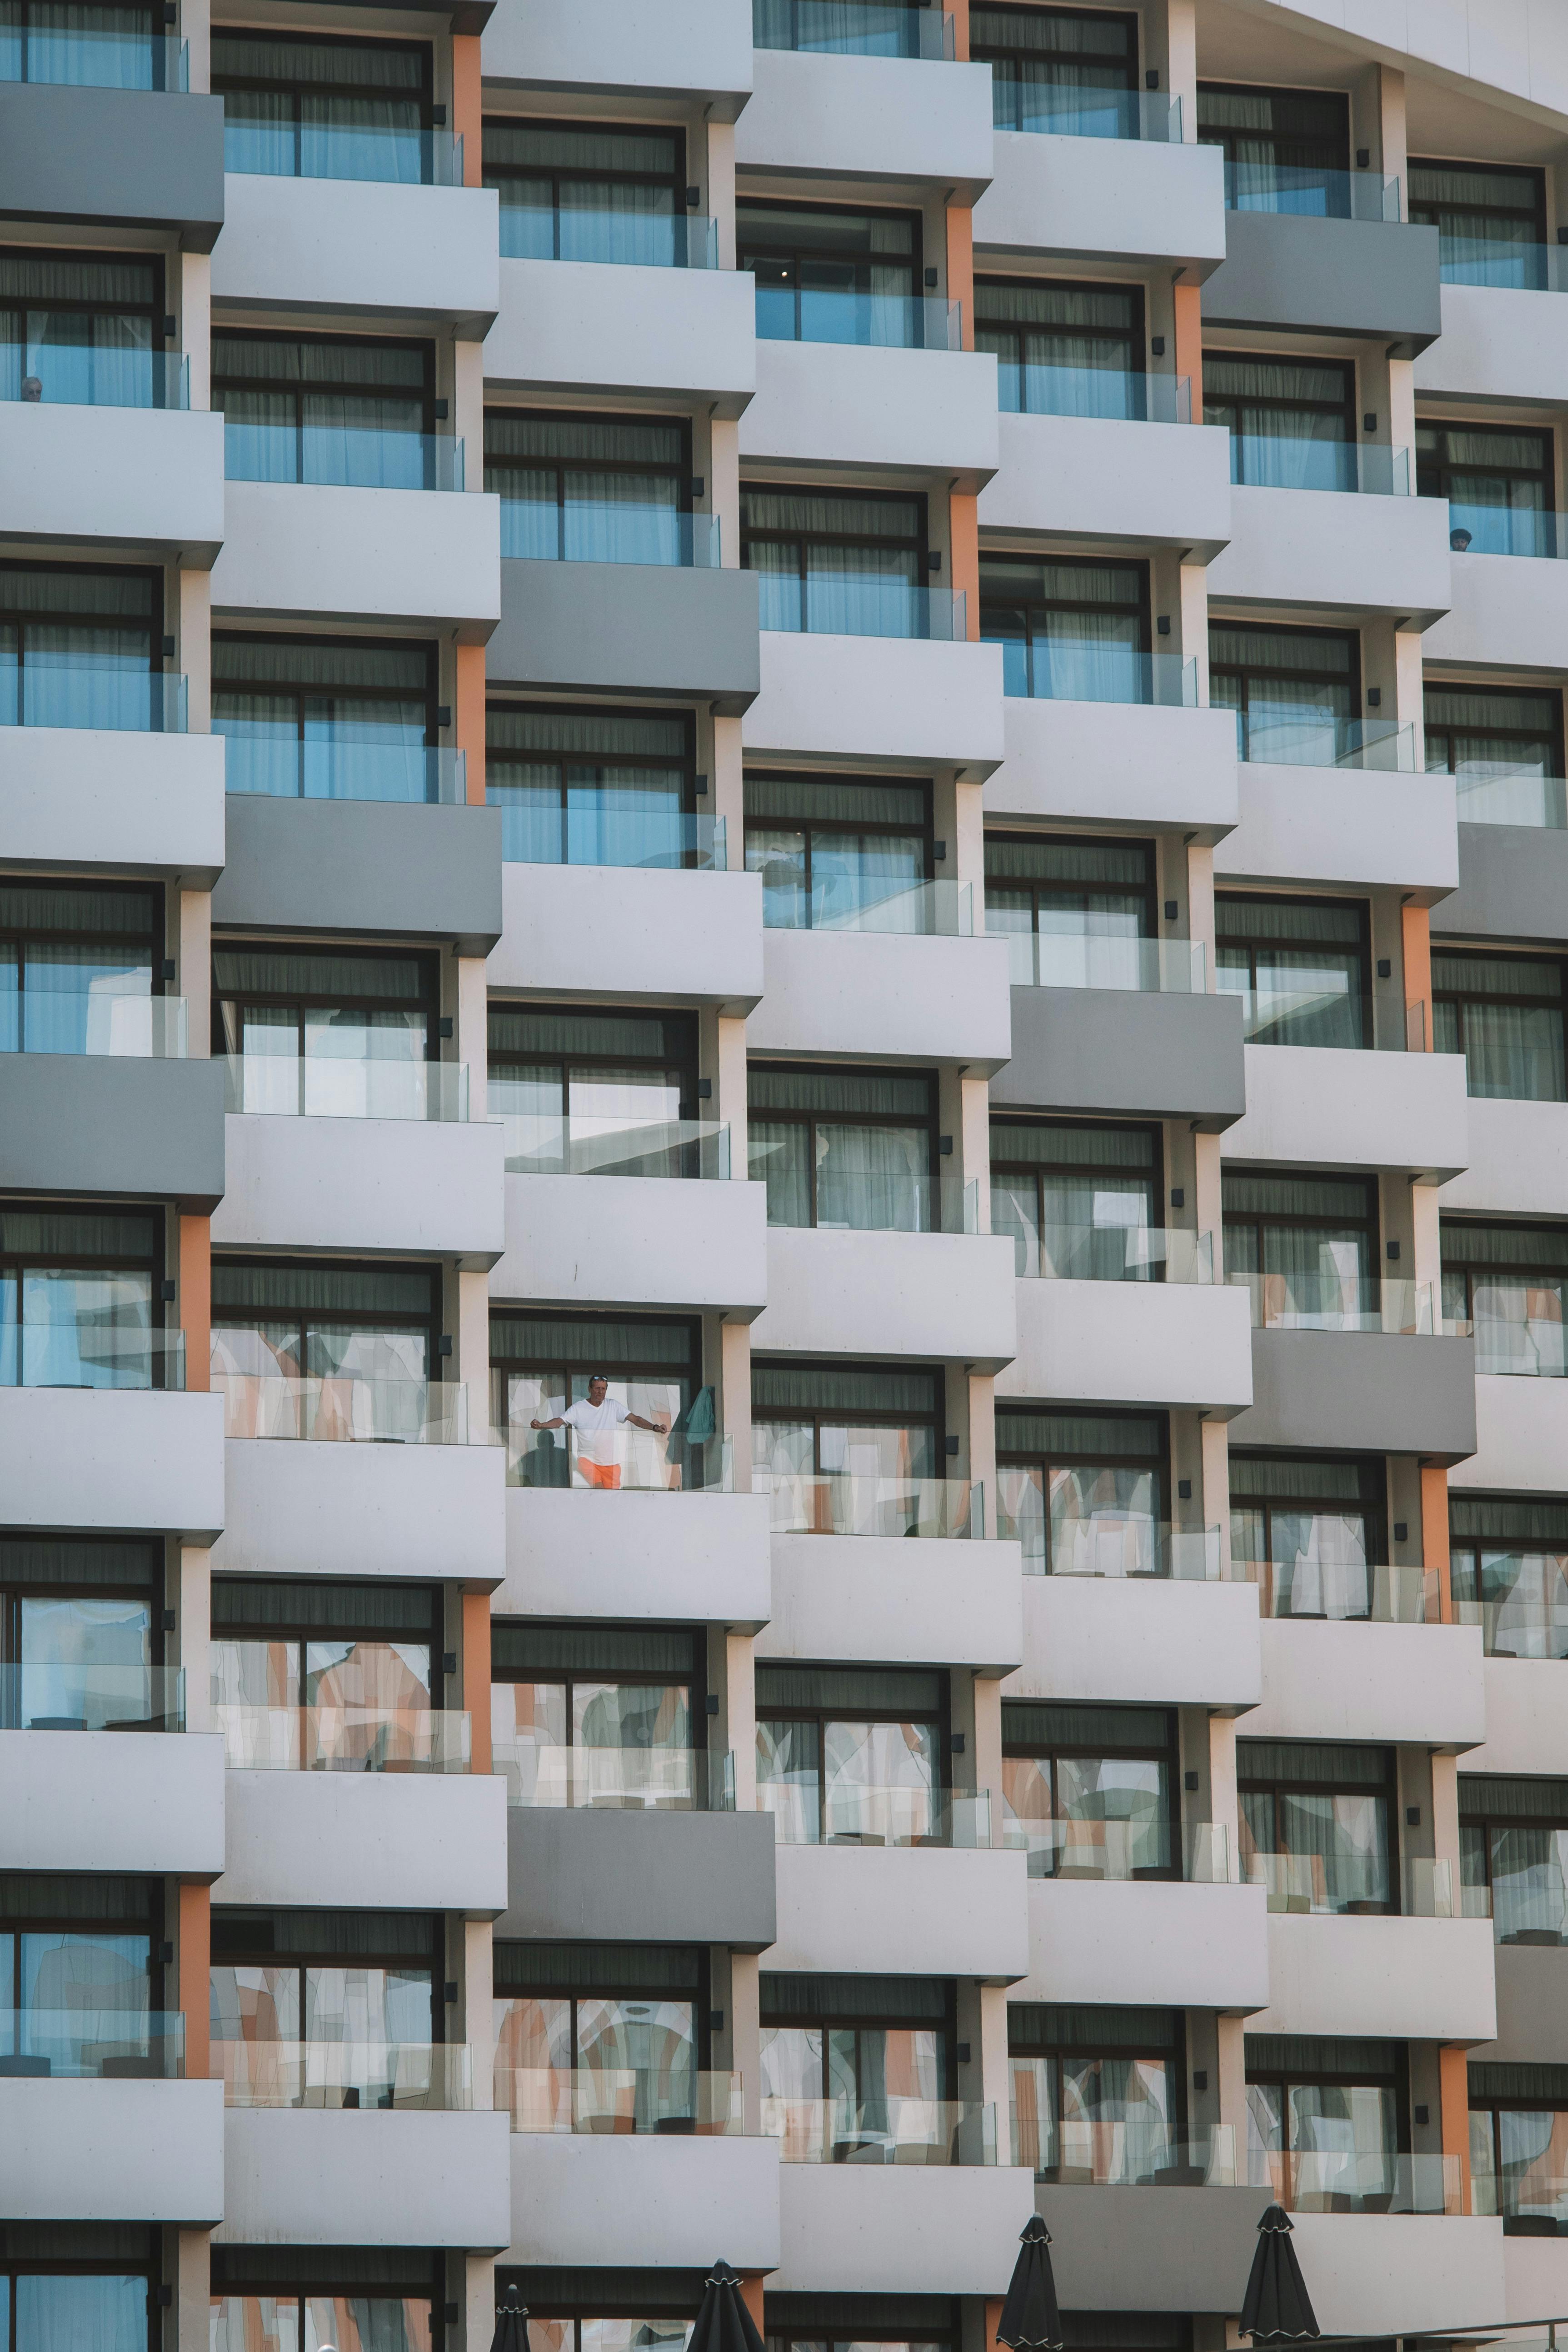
{"x":193,"y":1970}
{"x":1454,"y":2078}
{"x":468,"y":411}
{"x":1215,"y":1440}
{"x":472,"y":1365}
{"x":736,"y":1400}
{"x":1391,"y":151}
{"x":468,"y":105}
{"x":1445,"y":1787}
{"x":751,"y":2289}
{"x":194,"y":1608}
{"x":476,"y":1666}
{"x":193,"y":961}
{"x":1192,"y":617}
{"x":733,"y":1729}
{"x":1224,"y":1807}
{"x":960,"y":268}
{"x":469,"y":706}
{"x":1170,"y":49}
{"x":985,"y":1774}
{"x":743,"y":2032}
{"x":188,"y":620}
{"x":726,"y":770}
{"x":1435,"y":1536}
{"x":724,"y":498}
{"x":984,"y":2079}
{"x":959,"y":11}
{"x":1230,"y":2079}
{"x":188,"y":2254}
{"x":721,"y":187}
{"x":1188,"y":324}
{"x":1200,"y":907}
{"x":1409,"y":697}
{"x":1415,"y":943}
{"x":478,"y":2301}
{"x":477,"y":2022}
{"x":192,"y":276}
{"x":982,"y":1390}
{"x":728,"y":1100}
{"x":195,"y":1281}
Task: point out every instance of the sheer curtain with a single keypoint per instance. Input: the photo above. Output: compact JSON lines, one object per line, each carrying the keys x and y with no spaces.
{"x":323,"y":411}
{"x":1057,"y":72}
{"x":67,"y":41}
{"x":872,"y":588}
{"x":343,"y":110}
{"x":1062,"y":350}
{"x":291,"y":734}
{"x":1281,"y":435}
{"x":567,"y":194}
{"x":91,"y":667}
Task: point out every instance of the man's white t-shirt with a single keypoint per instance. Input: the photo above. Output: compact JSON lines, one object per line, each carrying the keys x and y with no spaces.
{"x":591,"y":1422}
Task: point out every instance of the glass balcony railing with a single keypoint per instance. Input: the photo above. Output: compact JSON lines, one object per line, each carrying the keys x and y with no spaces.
{"x":1351,"y":2176}
{"x":83,"y":1695}
{"x":1073,"y":669}
{"x":40,"y":1353}
{"x":1078,"y":110}
{"x":1342,"y":1590}
{"x":638,"y":239}
{"x":400,"y":153}
{"x":1109,"y":1545}
{"x":1310,"y":190}
{"x":1511,"y":796}
{"x":91,"y":54}
{"x":1092,"y":960}
{"x":854,"y":29}
{"x":1121,"y":2154}
{"x":1146,"y":1847}
{"x":1521,"y":1623}
{"x":85,"y":375}
{"x":1530,"y":2203}
{"x":855,"y":1202}
{"x":342,"y":1738}
{"x":131,"y":700}
{"x":1297,"y":462}
{"x":341,"y":769}
{"x":882,"y":2131}
{"x":1506,"y":531}
{"x":1344,"y":1878}
{"x":1331,"y":1302}
{"x":595,"y":831}
{"x":1110,"y":1252}
{"x":921,"y":910}
{"x":615,"y":1780}
{"x":903,"y":322}
{"x":342,"y":456}
{"x":86,"y":2044}
{"x":615,"y":1460}
{"x":92,"y":1020}
{"x":1522,"y":266}
{"x":333,"y":1085}
{"x":806,"y":1502}
{"x":1116,"y":394}
{"x":344,"y":2073}
{"x":854,"y":1814}
{"x":341,"y":1408}
{"x":1316,"y":738}
{"x":860,"y":605}
{"x":694,"y":1149}
{"x":605,"y":530}
{"x":671,"y":2101}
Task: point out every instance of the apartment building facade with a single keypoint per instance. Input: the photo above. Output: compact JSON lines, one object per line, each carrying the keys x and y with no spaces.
{"x":784,"y":1168}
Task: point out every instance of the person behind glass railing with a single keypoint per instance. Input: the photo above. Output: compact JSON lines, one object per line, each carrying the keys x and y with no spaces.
{"x":594,"y":1417}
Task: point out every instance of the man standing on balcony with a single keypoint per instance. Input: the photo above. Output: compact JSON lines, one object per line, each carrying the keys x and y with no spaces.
{"x":594,"y":1418}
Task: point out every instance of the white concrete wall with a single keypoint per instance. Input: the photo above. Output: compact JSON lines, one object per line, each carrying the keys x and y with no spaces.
{"x":360,"y":246}
{"x":938,"y":1296}
{"x":1418,"y":1980}
{"x":1101,"y":477}
{"x":365,"y":2177}
{"x":1388,"y":2272}
{"x":607,"y":933}
{"x":856,"y":405}
{"x":1507,"y":611}
{"x":1340,"y":548}
{"x":866,"y":995}
{"x":1116,"y":1940}
{"x":152,"y":804}
{"x":132,"y":1460}
{"x":1527,"y":1724}
{"x":1535,"y":2272}
{"x":698,"y":1559}
{"x":429,"y":1511}
{"x":939,"y":1911}
{"x":1416,"y":1683}
{"x":942,"y":1601}
{"x":901,"y":2228}
{"x":372,"y":1841}
{"x":635,"y":1242}
{"x":114,"y":478}
{"x":606,"y":326}
{"x":1126,"y":766}
{"x":1151,"y":1642}
{"x":1522,"y":1435}
{"x":298,"y":548}
{"x":1319,"y":826}
{"x":1104,"y":199}
{"x":1516,"y":1160}
{"x":133,"y":1800}
{"x":883,"y":699}
{"x":1168,"y":1343}
{"x":658,"y":2199}
{"x":643,"y":45}
{"x":372,"y":1186}
{"x":874,"y":118}
{"x":1498,"y":343}
{"x":1308,"y":1104}
{"x":132,"y":2151}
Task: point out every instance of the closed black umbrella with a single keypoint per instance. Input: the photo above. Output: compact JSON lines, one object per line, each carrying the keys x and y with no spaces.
{"x":723,"y":2323}
{"x":511,"y":2325}
{"x":1030,"y":2321}
{"x":1276,"y":2308}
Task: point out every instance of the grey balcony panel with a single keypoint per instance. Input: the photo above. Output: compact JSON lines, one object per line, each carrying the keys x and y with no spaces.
{"x":149,"y":156}
{"x":1532,"y":2008}
{"x":422,"y":871}
{"x":1373,"y":1392}
{"x":662,"y":1877}
{"x":1330,"y":277}
{"x":1513,"y":885}
{"x":640,"y":628}
{"x":1117,"y":1050}
{"x":1151,"y":2248}
{"x":129,"y":1127}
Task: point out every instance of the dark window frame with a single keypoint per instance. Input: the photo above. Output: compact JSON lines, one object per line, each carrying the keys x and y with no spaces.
{"x":677,"y":470}
{"x":1061,"y":894}
{"x":1030,"y":607}
{"x":788,"y":253}
{"x":997,"y":53}
{"x":1361,"y":907}
{"x":1157,"y":1464}
{"x":493,"y":171}
{"x":1174,"y":2051}
{"x":854,"y":1416}
{"x":425,"y":960}
{"x":1226,"y":138}
{"x":1459,"y":1000}
{"x":807,"y":542}
{"x":1328,"y":1785}
{"x":1040,"y":1750}
{"x":228,"y":380}
{"x":1348,"y":679}
{"x":902,"y":829}
{"x":303,"y":692}
{"x":374,"y":1957}
{"x":349,"y":1318}
{"x":280,"y":86}
{"x":14,"y":2267}
{"x":1434,"y":473}
{"x":61,"y":617}
{"x":1371,"y":1470}
{"x":1550,"y":736}
{"x":811,"y":1119}
{"x":1430,"y":209}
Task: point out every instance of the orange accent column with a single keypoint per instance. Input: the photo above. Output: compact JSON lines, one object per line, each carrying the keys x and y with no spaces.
{"x":196,"y":1299}
{"x":195,"y":1979}
{"x":959,"y":12}
{"x":1186,"y":305}
{"x":992,"y":2321}
{"x":963,"y":533}
{"x":1435,"y":1536}
{"x":1454,"y":2089}
{"x":469,"y":712}
{"x":468,"y":105}
{"x":960,"y":268}
{"x":477,"y":1676}
{"x":1416,"y":923}
{"x":751,"y":2296}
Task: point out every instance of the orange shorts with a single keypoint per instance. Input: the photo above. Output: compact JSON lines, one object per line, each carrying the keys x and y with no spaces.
{"x":606,"y":1475}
